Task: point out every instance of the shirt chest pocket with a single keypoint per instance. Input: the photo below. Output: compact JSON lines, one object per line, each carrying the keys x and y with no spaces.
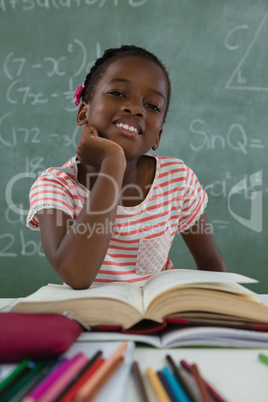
{"x":153,"y":253}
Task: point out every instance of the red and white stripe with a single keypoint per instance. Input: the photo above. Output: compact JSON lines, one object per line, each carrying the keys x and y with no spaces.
{"x":142,"y":235}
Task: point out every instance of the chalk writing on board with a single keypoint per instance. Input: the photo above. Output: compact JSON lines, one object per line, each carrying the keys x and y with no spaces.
{"x":33,"y":168}
{"x":34,"y":165}
{"x":29,"y":5}
{"x":19,"y":93}
{"x":26,"y":247}
{"x":235,"y":138}
{"x":224,"y":187}
{"x":14,"y":66}
{"x":18,"y":243}
{"x":66,"y":140}
{"x":10,"y":243}
{"x":12,"y":136}
{"x":76,"y":59}
{"x":6,"y":242}
{"x":237,"y":81}
{"x":219,"y":188}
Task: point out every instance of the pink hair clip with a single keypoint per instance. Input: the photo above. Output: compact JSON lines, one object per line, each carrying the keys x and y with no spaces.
{"x":78,"y":93}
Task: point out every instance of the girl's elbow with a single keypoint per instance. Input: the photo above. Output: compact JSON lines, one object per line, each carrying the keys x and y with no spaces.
{"x":73,"y":278}
{"x":79,"y":285}
{"x":77,"y":273}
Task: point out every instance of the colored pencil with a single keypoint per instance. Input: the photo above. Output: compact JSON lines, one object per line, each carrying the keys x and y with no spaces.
{"x":70,"y":394}
{"x":157,"y":386}
{"x":214,"y":393}
{"x":114,"y":367}
{"x":90,"y":393}
{"x":166,"y":385}
{"x":200,"y":383}
{"x":17,"y":383}
{"x":11,"y":378}
{"x":78,"y":376}
{"x":175,"y":386}
{"x":180,"y":378}
{"x":139,"y":379}
{"x":32,"y":379}
{"x":103,"y":372}
{"x":263,"y":358}
{"x":77,"y":363}
{"x":42,"y":387}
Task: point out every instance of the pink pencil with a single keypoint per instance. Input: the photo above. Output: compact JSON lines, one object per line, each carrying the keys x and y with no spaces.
{"x":38,"y":391}
{"x":78,"y":362}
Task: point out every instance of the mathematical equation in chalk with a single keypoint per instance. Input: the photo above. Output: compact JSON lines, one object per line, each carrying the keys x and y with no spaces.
{"x":24,"y":89}
{"x":9,"y":244}
{"x":235,"y":138}
{"x":30,"y":5}
{"x":254,"y":54}
{"x":20,"y":243}
{"x":12,"y":136}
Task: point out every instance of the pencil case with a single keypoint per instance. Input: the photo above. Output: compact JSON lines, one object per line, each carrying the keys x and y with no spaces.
{"x":35,"y":336}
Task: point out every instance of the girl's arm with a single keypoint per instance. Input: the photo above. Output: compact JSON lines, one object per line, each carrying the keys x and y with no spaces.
{"x":201,"y":244}
{"x":76,"y":249}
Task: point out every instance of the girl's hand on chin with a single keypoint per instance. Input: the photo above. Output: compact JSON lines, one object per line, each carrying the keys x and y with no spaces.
{"x":93,"y":149}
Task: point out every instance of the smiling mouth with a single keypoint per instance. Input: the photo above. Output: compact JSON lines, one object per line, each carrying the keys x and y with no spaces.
{"x":127,"y":127}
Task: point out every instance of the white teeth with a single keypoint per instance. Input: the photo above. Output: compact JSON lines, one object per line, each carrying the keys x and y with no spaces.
{"x":127,"y":127}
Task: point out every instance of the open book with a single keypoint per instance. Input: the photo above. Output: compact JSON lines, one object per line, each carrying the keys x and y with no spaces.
{"x":179,"y":295}
{"x":179,"y":336}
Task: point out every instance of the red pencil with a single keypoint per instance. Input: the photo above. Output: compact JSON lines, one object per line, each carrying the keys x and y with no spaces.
{"x":101,"y":375}
{"x":70,"y":394}
{"x":115,"y":366}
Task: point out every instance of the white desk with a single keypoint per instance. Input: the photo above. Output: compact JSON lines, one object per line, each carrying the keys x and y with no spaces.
{"x":236,"y":374}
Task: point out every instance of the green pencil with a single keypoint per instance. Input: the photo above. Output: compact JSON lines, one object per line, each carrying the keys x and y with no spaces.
{"x":31,"y":379}
{"x":18,"y":382}
{"x":8,"y":381}
{"x":263,"y":358}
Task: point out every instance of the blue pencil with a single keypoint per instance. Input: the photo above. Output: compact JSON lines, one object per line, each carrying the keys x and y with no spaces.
{"x":163,"y":380}
{"x":176,"y":388}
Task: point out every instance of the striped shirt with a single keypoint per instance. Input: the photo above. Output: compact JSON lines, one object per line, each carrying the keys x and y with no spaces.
{"x":141,"y":235}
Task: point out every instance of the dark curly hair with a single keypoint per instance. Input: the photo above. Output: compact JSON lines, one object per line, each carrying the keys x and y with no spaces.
{"x":111,"y":55}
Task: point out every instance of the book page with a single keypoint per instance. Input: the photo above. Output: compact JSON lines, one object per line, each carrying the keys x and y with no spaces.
{"x":106,"y":336}
{"x":167,"y":280}
{"x":120,"y":291}
{"x":214,"y":336}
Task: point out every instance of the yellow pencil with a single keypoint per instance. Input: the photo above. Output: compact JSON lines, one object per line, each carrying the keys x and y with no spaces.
{"x":157,"y":386}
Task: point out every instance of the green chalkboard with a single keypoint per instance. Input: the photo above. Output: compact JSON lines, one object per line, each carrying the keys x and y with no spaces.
{"x":217,"y":55}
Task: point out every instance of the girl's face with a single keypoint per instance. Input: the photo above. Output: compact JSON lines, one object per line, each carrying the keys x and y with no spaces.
{"x":129,"y":103}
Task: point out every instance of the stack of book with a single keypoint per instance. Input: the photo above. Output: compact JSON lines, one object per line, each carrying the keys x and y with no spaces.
{"x":175,"y":308}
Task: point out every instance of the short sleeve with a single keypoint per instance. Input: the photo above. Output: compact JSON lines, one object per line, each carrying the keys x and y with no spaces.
{"x":49,"y":192}
{"x":194,"y":202}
